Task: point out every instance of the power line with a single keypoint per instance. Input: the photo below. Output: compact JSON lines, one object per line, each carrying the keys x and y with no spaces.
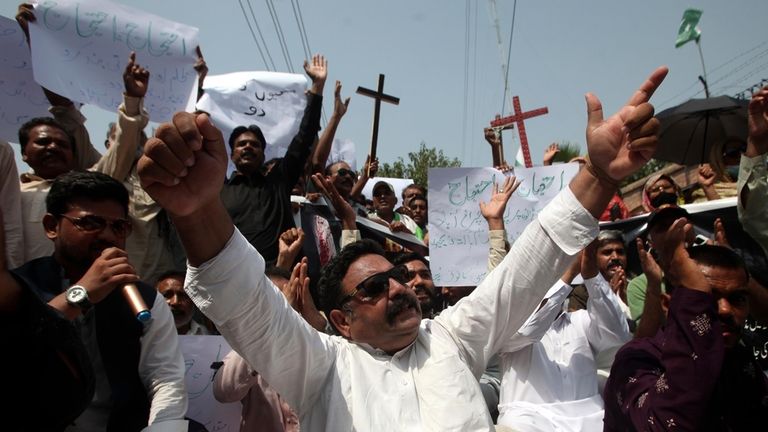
{"x":509,"y":57}
{"x":261,"y":35}
{"x":258,"y":46}
{"x":729,"y":73}
{"x":280,"y":35}
{"x":302,"y":30}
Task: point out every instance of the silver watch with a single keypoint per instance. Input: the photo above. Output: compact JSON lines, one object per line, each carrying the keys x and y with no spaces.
{"x":77,"y":296}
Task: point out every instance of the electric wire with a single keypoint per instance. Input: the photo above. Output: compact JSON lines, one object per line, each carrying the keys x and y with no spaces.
{"x":509,"y":57}
{"x":255,"y":40}
{"x":280,"y":35}
{"x":261,"y":35}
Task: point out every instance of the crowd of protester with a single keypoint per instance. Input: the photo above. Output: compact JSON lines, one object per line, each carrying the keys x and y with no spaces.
{"x":338,"y":328}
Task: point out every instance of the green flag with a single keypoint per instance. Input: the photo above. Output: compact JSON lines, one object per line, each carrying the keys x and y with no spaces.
{"x":688,"y":28}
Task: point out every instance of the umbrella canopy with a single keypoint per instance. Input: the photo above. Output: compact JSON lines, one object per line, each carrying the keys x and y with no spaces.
{"x":691,"y":129}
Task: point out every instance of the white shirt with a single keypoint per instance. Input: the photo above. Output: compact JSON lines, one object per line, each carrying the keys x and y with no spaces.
{"x":550,"y":384}
{"x":432,"y":385}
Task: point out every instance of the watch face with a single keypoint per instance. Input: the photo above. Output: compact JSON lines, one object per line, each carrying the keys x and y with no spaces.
{"x":77,"y":295}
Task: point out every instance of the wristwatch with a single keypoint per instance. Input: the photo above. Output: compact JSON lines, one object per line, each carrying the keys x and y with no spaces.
{"x":77,"y":296}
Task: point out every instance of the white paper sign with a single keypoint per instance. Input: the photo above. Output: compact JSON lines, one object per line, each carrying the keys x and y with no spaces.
{"x":398,"y":184}
{"x":199,"y":353}
{"x":80,"y":49}
{"x":273,"y":101}
{"x":342,"y":150}
{"x":458,"y":233}
{"x":21,"y":98}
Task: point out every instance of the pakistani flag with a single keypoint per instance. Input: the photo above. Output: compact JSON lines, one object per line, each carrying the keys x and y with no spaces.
{"x":689,"y":29}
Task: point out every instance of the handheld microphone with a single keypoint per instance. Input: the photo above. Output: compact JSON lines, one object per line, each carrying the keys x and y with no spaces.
{"x":138,"y":307}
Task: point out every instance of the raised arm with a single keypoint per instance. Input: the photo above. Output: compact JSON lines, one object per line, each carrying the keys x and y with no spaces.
{"x":324,"y":144}
{"x":132,"y":118}
{"x":617,"y":146}
{"x":370,"y":168}
{"x":292,"y":165}
{"x":753,"y":175}
{"x":226,"y":278}
{"x":493,"y":213}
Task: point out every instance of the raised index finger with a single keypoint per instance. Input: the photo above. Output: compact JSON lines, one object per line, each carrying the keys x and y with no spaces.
{"x":646,"y":90}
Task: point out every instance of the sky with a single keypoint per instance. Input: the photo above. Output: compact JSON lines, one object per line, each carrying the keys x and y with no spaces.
{"x":450,"y":89}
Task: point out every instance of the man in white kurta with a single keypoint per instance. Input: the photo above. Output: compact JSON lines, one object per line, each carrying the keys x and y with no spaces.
{"x":336,"y":384}
{"x":390,"y":371}
{"x":550,"y":383}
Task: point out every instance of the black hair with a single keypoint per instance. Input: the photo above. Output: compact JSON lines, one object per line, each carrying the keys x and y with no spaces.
{"x":609,"y":236}
{"x":717,"y":256}
{"x":84,"y":184}
{"x":172,"y":274}
{"x":27,"y":127}
{"x":327,"y":170}
{"x":420,"y":197}
{"x":329,"y":285}
{"x":406,"y":257}
{"x":422,"y":189}
{"x":243,"y":129}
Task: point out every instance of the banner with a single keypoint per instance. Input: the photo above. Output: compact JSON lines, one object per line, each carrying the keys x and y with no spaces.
{"x":21,"y":98}
{"x":458,"y":233}
{"x":273,"y":101}
{"x":200,"y":354}
{"x":80,"y":49}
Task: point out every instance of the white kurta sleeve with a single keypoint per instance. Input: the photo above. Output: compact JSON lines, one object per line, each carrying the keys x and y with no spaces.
{"x":607,"y":327}
{"x":481,"y":323}
{"x":257,"y":321}
{"x":161,"y":369}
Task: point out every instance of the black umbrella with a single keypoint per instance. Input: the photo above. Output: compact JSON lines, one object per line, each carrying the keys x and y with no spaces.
{"x":689,"y":130}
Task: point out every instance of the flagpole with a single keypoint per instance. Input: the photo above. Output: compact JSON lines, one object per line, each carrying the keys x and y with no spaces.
{"x":704,"y":69}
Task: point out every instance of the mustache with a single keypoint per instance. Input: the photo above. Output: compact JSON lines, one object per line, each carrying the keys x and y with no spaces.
{"x":400,"y":303}
{"x":615,"y":262}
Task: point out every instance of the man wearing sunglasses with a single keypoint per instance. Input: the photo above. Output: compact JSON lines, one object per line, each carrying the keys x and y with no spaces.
{"x":138,"y":368}
{"x":389,"y":370}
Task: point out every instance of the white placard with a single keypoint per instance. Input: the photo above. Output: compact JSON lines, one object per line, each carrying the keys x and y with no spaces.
{"x":21,"y":98}
{"x":273,"y":101}
{"x":343,"y":150}
{"x":398,"y":184}
{"x":458,"y":233}
{"x":80,"y":49}
{"x":199,"y":353}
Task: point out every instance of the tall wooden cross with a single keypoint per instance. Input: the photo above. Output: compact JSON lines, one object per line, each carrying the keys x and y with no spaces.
{"x":378,"y":96}
{"x":517,"y":119}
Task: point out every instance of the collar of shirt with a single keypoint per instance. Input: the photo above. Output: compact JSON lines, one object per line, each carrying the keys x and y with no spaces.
{"x":239,"y":178}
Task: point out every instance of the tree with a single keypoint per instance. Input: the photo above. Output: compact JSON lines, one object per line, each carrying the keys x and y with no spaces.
{"x":651,"y":167}
{"x":419,"y":164}
{"x":568,"y":151}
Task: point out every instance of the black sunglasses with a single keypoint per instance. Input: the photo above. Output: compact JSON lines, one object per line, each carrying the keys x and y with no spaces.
{"x":375,"y":285}
{"x":93,"y":223}
{"x":345,"y":172}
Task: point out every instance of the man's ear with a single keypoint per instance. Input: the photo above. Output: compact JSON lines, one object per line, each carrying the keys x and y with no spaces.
{"x":341,"y":321}
{"x":50,"y":224}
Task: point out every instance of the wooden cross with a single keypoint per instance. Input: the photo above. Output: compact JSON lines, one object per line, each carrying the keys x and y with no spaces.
{"x":517,"y":119}
{"x":378,"y":96}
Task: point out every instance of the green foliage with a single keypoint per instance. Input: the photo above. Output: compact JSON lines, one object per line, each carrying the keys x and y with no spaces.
{"x":568,"y":151}
{"x":651,"y":167}
{"x":418,"y":165}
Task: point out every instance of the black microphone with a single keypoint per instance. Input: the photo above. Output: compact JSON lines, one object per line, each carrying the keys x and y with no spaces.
{"x":138,"y":307}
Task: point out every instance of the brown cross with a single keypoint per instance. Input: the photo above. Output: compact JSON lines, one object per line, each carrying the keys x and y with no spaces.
{"x":517,"y":119}
{"x":378,"y":96}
